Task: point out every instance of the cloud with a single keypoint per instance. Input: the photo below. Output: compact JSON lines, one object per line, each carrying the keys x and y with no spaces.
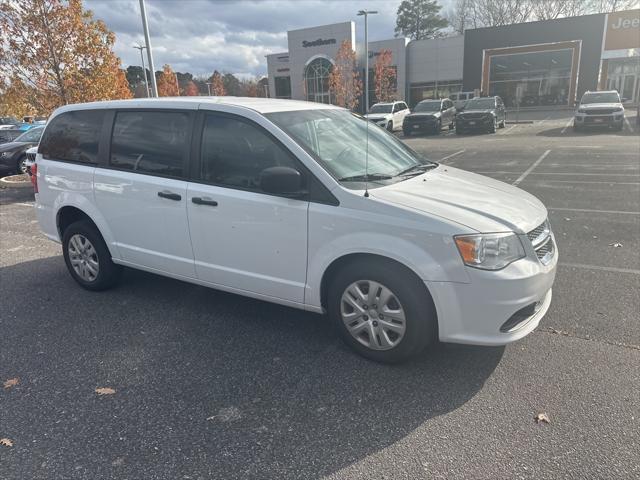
{"x":200,"y":36}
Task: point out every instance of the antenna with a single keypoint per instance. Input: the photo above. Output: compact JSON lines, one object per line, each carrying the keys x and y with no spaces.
{"x":366,"y":161}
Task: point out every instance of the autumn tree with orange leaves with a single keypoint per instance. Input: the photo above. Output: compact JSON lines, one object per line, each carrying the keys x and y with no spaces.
{"x":191,"y":90}
{"x":344,"y":80}
{"x":54,"y":53}
{"x":168,"y":83}
{"x":384,"y":77}
{"x":217,"y":85}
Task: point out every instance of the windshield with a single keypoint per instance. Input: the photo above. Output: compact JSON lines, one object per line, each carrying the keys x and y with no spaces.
{"x":427,"y":107}
{"x":480,"y":103}
{"x":604,"y":97}
{"x":32,"y":135}
{"x":8,"y":121}
{"x":380,"y":108}
{"x":338,"y":141}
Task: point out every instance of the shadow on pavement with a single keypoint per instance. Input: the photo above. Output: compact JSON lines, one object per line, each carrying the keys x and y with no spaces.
{"x":11,"y":194}
{"x":207,"y":384}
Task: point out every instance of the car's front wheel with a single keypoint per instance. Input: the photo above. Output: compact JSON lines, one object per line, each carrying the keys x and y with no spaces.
{"x":87,"y":257}
{"x":21,"y":167}
{"x":390,"y":126}
{"x":381,"y":310}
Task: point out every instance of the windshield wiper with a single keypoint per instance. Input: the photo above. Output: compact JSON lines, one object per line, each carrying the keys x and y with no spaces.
{"x":420,"y":167}
{"x":363,"y":178}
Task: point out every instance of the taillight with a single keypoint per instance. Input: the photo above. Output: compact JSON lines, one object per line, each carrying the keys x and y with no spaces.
{"x":34,"y":177}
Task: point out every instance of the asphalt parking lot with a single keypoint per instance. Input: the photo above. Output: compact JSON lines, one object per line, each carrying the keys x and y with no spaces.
{"x":212,"y":385}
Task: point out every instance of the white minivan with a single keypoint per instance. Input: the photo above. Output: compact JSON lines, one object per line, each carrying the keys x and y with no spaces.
{"x":299,"y":204}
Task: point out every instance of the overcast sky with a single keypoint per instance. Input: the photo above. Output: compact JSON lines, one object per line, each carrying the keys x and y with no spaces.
{"x":199,"y":36}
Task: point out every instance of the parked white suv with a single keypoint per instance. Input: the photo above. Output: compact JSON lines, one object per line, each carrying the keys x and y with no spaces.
{"x":599,"y":109}
{"x":389,"y":115}
{"x":293,"y":203}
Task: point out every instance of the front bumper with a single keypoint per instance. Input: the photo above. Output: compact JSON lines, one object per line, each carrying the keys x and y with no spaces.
{"x":473,"y":313}
{"x":606,"y":120}
{"x":420,"y":126}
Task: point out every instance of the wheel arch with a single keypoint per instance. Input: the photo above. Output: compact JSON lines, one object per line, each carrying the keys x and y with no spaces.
{"x":68,"y":214}
{"x":346,"y":259}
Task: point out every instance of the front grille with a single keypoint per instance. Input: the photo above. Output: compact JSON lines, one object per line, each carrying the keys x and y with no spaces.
{"x":601,"y":111}
{"x":419,"y":120}
{"x":599,"y":119}
{"x":31,"y":157}
{"x":542,"y":242}
{"x":473,"y":116}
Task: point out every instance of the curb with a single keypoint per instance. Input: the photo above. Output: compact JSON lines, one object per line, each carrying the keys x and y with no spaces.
{"x":5,"y":182}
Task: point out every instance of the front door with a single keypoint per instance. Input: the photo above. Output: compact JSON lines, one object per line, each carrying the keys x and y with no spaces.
{"x":242,"y":237}
{"x":142,"y":191}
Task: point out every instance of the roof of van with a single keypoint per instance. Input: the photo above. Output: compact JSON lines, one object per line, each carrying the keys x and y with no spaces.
{"x":261,"y":105}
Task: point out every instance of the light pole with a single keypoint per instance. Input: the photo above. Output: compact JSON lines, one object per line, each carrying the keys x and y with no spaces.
{"x":366,"y":14}
{"x":145,"y":27}
{"x":209,"y":87}
{"x":146,"y":80}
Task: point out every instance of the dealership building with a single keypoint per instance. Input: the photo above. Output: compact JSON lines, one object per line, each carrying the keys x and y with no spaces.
{"x":535,"y":64}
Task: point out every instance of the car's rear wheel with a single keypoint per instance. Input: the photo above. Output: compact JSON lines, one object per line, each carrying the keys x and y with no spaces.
{"x":438,"y":127}
{"x":493,"y":127}
{"x":381,"y":310}
{"x":87,"y":257}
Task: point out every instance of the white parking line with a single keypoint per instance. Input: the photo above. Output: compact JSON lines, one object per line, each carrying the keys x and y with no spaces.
{"x":589,"y":210}
{"x":25,"y":204}
{"x":569,"y":123}
{"x":505,"y":132}
{"x":587,"y":181}
{"x":544,"y":120}
{"x":633,"y":271}
{"x":452,"y":155}
{"x":528,"y":170}
{"x":628,"y":124}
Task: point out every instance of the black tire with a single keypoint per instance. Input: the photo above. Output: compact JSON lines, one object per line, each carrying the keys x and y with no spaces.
{"x":452,"y":125}
{"x":21,"y":161}
{"x":492,"y":128}
{"x":420,"y":316}
{"x":390,"y":126}
{"x":108,"y":272}
{"x":502,"y":124}
{"x":438,"y":127}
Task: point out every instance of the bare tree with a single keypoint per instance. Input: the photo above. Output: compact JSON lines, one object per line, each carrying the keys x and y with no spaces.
{"x":607,"y":6}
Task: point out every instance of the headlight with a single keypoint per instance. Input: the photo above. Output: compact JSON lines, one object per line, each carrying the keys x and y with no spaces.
{"x":491,"y":251}
{"x":582,"y":110}
{"x":619,"y":109}
{"x":4,"y":154}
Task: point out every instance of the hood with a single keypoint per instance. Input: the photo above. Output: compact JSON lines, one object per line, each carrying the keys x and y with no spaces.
{"x":480,"y":203}
{"x":590,"y":106}
{"x":378,"y":116}
{"x":473,"y":110}
{"x":5,"y":147}
{"x":424,"y":114}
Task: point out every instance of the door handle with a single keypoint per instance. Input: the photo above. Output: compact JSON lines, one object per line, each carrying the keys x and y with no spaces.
{"x":169,"y":195}
{"x":204,"y":201}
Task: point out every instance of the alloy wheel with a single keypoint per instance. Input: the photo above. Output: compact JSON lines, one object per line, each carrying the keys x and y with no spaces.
{"x":373,"y":315}
{"x":83,"y":257}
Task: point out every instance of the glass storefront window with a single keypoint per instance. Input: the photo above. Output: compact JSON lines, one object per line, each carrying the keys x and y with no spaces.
{"x":316,"y":77}
{"x":429,"y":90}
{"x":623,"y":75}
{"x":283,"y":87}
{"x":532,"y":79}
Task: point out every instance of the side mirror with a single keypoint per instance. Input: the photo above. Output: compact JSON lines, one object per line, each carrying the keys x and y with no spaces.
{"x":285,"y":181}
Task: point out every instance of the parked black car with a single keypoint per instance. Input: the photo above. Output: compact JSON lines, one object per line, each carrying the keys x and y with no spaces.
{"x":430,"y":116}
{"x":482,"y":113}
{"x":10,"y":134}
{"x":13,"y":154}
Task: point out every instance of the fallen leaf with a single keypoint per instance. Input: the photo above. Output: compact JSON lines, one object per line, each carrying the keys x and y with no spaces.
{"x":542,"y":418}
{"x":5,"y":442}
{"x":615,"y":245}
{"x":12,"y":382}
{"x":105,"y":391}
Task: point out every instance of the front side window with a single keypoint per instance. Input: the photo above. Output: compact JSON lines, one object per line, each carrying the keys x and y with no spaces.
{"x":234,"y":153}
{"x":150,"y":142}
{"x":341,"y":141}
{"x":73,"y":136}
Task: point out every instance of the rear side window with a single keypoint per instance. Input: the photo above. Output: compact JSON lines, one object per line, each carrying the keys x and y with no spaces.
{"x":73,"y":137}
{"x":150,"y":142}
